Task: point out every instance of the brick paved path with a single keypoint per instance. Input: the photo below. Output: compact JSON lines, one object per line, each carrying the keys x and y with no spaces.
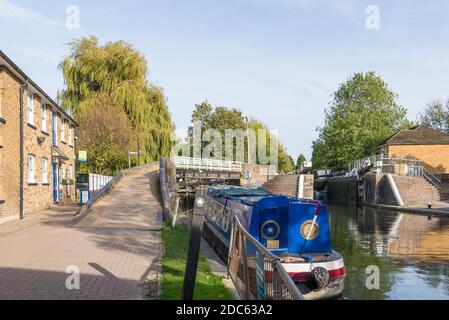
{"x":115,"y":247}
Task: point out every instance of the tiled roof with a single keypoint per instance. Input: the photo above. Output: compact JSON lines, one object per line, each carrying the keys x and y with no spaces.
{"x":11,"y":64}
{"x":417,"y":136}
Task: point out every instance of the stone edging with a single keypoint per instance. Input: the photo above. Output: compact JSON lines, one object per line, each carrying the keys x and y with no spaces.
{"x":428,"y":212}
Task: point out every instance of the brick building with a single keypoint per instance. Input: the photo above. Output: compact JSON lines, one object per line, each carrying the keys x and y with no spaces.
{"x":422,"y":143}
{"x":37,"y":133}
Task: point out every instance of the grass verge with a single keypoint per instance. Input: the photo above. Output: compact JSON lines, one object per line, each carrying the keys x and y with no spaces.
{"x":208,"y":285}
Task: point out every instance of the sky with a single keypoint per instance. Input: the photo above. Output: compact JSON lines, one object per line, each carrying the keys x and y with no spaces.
{"x":276,"y":60}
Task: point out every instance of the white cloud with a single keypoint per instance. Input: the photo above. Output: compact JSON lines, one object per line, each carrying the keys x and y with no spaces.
{"x":17,"y":13}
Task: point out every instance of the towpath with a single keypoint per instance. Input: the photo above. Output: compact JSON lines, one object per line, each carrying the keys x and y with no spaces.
{"x":116,"y":248}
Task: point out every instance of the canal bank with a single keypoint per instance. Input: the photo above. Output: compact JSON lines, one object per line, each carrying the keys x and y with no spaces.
{"x":387,"y":192}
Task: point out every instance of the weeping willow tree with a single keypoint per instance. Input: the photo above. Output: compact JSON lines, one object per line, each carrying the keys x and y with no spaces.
{"x":120,"y":72}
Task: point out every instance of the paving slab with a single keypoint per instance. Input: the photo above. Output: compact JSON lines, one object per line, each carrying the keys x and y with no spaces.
{"x":116,"y":248}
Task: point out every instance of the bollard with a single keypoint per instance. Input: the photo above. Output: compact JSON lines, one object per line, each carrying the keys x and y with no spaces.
{"x":194,"y":246}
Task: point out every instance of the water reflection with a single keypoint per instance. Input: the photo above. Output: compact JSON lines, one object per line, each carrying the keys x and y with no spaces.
{"x":411,"y":251}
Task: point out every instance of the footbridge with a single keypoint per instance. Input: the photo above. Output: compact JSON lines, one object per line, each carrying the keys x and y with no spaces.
{"x":185,"y":174}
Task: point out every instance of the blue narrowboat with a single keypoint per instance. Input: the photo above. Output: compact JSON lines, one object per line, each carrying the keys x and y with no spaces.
{"x":296,"y":230}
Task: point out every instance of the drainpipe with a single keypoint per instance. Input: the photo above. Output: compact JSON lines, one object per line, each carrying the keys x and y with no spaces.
{"x":395,"y":190}
{"x":22,"y":151}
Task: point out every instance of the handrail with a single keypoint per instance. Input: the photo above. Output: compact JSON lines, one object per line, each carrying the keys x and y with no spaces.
{"x":256,"y":243}
{"x":278,"y":267}
{"x":292,"y":288}
{"x":432,"y":179}
{"x":207,"y":164}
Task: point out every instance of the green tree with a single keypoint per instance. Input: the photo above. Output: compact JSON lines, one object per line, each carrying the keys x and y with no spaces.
{"x":202,"y":113}
{"x":319,"y":156}
{"x":106,"y":134}
{"x":363,"y":113}
{"x":119,"y":72}
{"x":436,"y":115}
{"x":300,"y":162}
{"x":220,"y":119}
{"x":286,"y":162}
{"x":223,"y":119}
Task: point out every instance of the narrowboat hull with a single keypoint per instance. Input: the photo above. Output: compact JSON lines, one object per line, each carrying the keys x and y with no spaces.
{"x":295,"y":230}
{"x":300,"y":272}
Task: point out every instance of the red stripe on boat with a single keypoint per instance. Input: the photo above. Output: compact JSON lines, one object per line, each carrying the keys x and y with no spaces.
{"x":304,"y":276}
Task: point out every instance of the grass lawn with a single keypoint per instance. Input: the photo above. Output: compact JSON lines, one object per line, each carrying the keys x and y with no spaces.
{"x":208,"y":285}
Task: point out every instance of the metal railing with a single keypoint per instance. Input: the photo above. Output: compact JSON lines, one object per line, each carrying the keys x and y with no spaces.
{"x":256,"y":272}
{"x":97,"y":182}
{"x":207,"y":164}
{"x":363,"y":164}
{"x":432,"y":178}
{"x":166,"y":198}
{"x":399,"y":166}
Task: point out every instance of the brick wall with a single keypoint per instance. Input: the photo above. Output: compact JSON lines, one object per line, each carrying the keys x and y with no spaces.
{"x":259,"y":174}
{"x":9,"y":153}
{"x":435,"y":157}
{"x":38,"y":195}
{"x":414,"y":191}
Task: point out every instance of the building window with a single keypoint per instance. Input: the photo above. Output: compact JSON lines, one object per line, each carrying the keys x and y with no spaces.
{"x":31,"y":169}
{"x":62,"y":130}
{"x":55,"y":132}
{"x":70,"y":135}
{"x":44,"y":170}
{"x":44,"y":117}
{"x":30,"y":109}
{"x":1,"y":96}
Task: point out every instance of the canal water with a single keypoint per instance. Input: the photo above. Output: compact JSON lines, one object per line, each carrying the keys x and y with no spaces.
{"x":410,"y":251}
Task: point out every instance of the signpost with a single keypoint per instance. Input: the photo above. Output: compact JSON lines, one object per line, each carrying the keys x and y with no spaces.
{"x":194,"y":246}
{"x":134,"y":153}
{"x":82,"y":156}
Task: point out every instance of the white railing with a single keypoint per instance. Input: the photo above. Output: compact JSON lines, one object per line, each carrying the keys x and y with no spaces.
{"x":362,"y":164}
{"x":98,"y":182}
{"x":207,"y":164}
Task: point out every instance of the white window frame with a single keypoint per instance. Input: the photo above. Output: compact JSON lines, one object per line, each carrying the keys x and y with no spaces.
{"x":56,"y":130}
{"x":31,"y":162}
{"x":1,"y":95}
{"x":44,"y":115}
{"x":44,"y":170}
{"x":70,"y":135}
{"x":62,"y":129}
{"x":30,"y":108}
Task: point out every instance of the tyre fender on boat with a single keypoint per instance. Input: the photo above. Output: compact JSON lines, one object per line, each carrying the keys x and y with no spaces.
{"x":320,"y":278}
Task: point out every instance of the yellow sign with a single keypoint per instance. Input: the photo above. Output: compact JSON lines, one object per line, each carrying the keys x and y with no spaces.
{"x":273,"y":244}
{"x":82,"y":156}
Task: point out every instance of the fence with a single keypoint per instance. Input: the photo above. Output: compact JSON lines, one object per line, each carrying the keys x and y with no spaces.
{"x":400,"y":166}
{"x":167,"y":199}
{"x":98,"y":182}
{"x":207,"y":164}
{"x":256,"y":272}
